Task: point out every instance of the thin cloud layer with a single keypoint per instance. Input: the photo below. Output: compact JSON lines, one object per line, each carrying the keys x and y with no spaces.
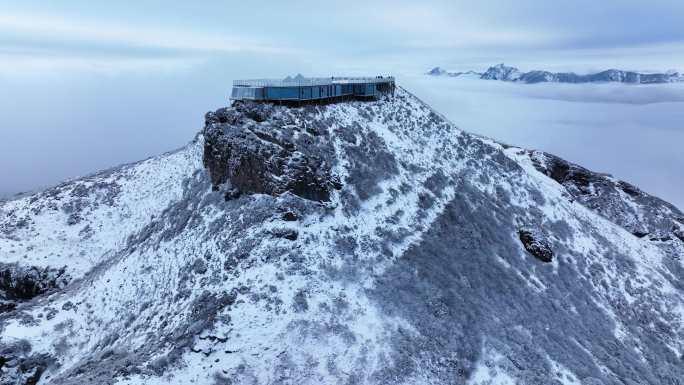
{"x":447,"y":32}
{"x":79,"y":31}
{"x":34,"y":42}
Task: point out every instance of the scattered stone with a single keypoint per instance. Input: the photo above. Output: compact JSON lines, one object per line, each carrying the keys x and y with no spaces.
{"x":300,"y":302}
{"x":290,"y":234}
{"x":51,"y":313}
{"x":199,"y":266}
{"x":73,"y":219}
{"x":221,"y":379}
{"x":230,"y":263}
{"x":243,"y":289}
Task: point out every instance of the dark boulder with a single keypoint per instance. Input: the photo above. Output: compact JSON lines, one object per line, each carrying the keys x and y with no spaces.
{"x":536,"y":245}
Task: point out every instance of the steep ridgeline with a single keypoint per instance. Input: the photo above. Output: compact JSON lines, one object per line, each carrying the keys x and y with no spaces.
{"x":512,"y":74}
{"x":353,"y":243}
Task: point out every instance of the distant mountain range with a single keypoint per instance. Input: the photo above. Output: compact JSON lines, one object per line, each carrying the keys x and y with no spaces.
{"x":512,"y":74}
{"x":438,"y":71}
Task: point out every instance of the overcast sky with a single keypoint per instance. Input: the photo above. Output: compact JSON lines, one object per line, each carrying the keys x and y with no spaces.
{"x":308,"y":35}
{"x":86,"y":85}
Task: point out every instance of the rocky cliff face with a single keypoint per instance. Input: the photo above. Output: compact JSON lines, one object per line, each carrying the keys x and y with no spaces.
{"x":359,"y":242}
{"x":256,"y":148}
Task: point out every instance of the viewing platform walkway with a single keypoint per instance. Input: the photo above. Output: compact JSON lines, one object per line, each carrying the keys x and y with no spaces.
{"x":301,"y":90}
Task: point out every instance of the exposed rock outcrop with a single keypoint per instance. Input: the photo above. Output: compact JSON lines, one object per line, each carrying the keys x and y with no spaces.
{"x":254,"y":148}
{"x":19,"y":367}
{"x":21,"y":283}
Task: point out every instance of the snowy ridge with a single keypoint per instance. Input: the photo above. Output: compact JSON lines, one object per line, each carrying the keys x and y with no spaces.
{"x":647,"y":217}
{"x":411,"y":273}
{"x":77,"y":224}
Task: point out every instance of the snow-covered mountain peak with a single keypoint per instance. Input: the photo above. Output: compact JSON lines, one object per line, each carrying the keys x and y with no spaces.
{"x":357,"y":242}
{"x":502,"y":72}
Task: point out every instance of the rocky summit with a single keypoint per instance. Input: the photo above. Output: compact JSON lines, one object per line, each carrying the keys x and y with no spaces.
{"x":351,"y":243}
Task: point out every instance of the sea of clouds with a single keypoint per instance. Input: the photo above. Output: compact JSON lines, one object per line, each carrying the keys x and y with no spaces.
{"x":64,"y":126}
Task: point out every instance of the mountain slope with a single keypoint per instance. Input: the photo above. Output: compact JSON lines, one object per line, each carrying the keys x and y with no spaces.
{"x":360,"y":242}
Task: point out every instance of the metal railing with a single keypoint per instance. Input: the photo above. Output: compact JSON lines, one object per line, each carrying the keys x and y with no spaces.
{"x":373,"y":80}
{"x":311,"y":81}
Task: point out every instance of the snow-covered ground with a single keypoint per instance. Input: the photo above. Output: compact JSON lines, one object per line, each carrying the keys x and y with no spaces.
{"x":633,"y":132}
{"x":79,"y":224}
